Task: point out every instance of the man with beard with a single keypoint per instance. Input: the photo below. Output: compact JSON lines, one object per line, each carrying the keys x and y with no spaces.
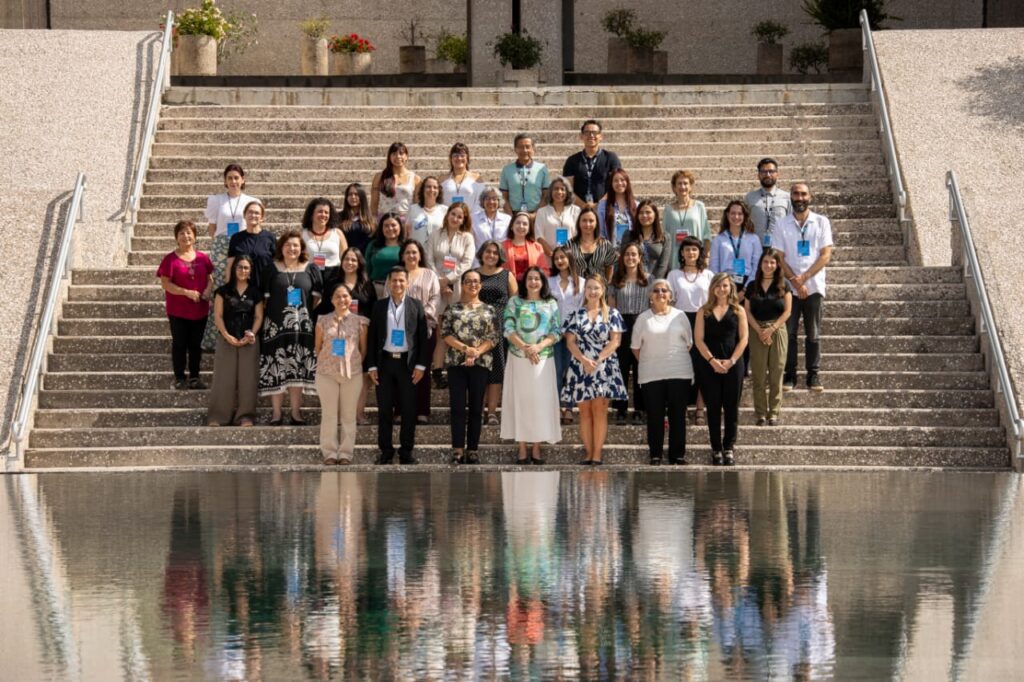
{"x":805,"y":238}
{"x":769,"y":204}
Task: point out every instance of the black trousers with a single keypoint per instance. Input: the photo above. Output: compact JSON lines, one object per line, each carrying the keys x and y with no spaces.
{"x":811,"y":310}
{"x":463,"y":380}
{"x":186,"y":342}
{"x":722,"y":396}
{"x":629,"y":364}
{"x":395,"y":388}
{"x":667,"y":399}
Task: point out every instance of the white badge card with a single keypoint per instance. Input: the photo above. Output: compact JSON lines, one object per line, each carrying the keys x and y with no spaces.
{"x":233,"y":229}
{"x":803,"y":247}
{"x":397,"y":338}
{"x":338,"y":348}
{"x":294,"y":297}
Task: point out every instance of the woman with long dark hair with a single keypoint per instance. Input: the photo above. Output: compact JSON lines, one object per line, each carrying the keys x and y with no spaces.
{"x":616,"y":213}
{"x":629,"y":293}
{"x":567,"y":288}
{"x":324,"y":242}
{"x":591,"y":253}
{"x":428,"y":213}
{"x":363,"y":295}
{"x":393,"y":188}
{"x":356,"y":222}
{"x":425,"y":287}
{"x":382,"y":254}
{"x":656,"y":249}
{"x":768,"y":304}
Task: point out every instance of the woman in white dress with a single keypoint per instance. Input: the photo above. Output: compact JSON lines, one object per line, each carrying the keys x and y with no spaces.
{"x":394,"y":187}
{"x":461,"y":184}
{"x":427,"y":214}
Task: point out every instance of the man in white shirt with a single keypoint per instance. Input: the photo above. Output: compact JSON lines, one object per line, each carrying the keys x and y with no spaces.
{"x":805,"y":238}
{"x":768,"y":204}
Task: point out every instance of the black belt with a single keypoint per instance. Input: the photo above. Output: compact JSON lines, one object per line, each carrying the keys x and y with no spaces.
{"x":395,"y":356}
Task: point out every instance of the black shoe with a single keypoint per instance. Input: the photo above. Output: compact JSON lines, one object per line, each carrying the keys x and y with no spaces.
{"x":788,"y":384}
{"x":438,"y":379}
{"x":586,"y":463}
{"x":761,"y":421}
{"x":655,"y":461}
{"x":729,"y":458}
{"x":297,"y":422}
{"x":537,"y":460}
{"x":814,"y":384}
{"x":407,"y":459}
{"x":639,"y":418}
{"x":677,"y":461}
{"x":385,"y":458}
{"x":458,"y":459}
{"x":195,"y":384}
{"x":716,"y":459}
{"x":276,"y":422}
{"x":773,"y":421}
{"x":472,"y":457}
{"x":180,"y":385}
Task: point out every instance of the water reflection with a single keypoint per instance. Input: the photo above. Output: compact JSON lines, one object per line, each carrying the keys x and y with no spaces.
{"x":541,"y":575}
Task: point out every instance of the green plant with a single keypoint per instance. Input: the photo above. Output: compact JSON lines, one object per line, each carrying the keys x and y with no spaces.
{"x":769,"y":32}
{"x":518,"y":50}
{"x":619,"y":21}
{"x":833,"y":15}
{"x":641,"y":38}
{"x":234,"y":32}
{"x":353,"y":42}
{"x":453,"y":48}
{"x":809,"y":56}
{"x":315,"y":28}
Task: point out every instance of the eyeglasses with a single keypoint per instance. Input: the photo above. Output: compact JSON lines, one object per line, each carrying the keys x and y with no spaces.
{"x":767,"y":172}
{"x":659,"y":291}
{"x":591,"y":133}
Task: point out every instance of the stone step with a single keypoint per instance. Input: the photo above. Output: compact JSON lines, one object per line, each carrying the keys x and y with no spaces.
{"x":865,"y":345}
{"x":832,"y":326}
{"x":499,"y":123}
{"x":839,"y":309}
{"x":835,"y":397}
{"x":279,"y":456}
{"x":648,"y":181}
{"x":862,"y":362}
{"x":156,"y":379}
{"x":824,"y":436}
{"x":839,"y":274}
{"x":793,"y":416}
{"x":436,"y":157}
{"x":209,"y":178}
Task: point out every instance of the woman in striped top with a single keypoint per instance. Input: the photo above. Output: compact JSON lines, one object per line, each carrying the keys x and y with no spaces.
{"x":629,"y":293}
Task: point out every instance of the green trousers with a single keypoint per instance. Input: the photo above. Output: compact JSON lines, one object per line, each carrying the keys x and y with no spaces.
{"x":766,"y":367}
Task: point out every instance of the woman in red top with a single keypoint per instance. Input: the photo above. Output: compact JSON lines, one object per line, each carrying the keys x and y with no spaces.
{"x":187,"y":278}
{"x":522,"y":250}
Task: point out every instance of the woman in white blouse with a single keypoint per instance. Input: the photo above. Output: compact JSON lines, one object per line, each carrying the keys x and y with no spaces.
{"x":461,"y":184}
{"x":489,"y":222}
{"x":690,"y":284}
{"x":555,"y":224}
{"x":427,"y":214}
{"x":450,"y":252}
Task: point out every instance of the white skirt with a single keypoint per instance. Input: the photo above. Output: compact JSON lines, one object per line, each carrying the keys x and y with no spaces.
{"x":529,"y":401}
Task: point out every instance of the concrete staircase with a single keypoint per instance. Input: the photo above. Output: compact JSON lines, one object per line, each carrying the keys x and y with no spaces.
{"x":905,"y":382}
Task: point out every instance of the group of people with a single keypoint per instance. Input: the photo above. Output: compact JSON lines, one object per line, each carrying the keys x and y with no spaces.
{"x":545,"y":294}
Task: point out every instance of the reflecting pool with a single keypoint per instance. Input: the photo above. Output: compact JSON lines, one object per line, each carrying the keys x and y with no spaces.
{"x":526,"y":575}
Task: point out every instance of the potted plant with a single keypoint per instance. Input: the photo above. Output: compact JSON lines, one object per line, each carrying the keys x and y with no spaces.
{"x":642,"y":44}
{"x":618,"y":22}
{"x":769,"y":49}
{"x":807,"y":56}
{"x":453,"y":49}
{"x":314,"y":46}
{"x":520,"y":54}
{"x":840,"y":19}
{"x":412,"y":58}
{"x":204,"y":35}
{"x":351,"y":54}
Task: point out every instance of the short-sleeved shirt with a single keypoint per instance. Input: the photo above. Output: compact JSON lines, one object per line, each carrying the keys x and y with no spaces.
{"x":689,"y":290}
{"x":329,"y":362}
{"x":259,"y":247}
{"x":238,"y":310}
{"x":222,"y":210}
{"x":421,"y":222}
{"x":767,"y":209}
{"x":548,"y":222}
{"x":590,"y":174}
{"x":192,"y":275}
{"x":631,"y":298}
{"x":525,"y":185}
{"x":686,"y":222}
{"x":817,"y":232}
{"x":532,"y":321}
{"x":664,"y":343}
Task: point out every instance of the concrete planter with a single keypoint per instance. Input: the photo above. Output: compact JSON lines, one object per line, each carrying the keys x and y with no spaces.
{"x":352,"y":63}
{"x":438,"y":65}
{"x":412,"y":59}
{"x":845,"y":51}
{"x":639,"y":60}
{"x":617,"y":49}
{"x":769,"y":59}
{"x":521,"y":78}
{"x":197,"y":56}
{"x":314,"y":56}
{"x":661,"y":62}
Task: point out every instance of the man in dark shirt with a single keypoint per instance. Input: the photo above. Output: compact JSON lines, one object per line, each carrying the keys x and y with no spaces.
{"x":588,"y":170}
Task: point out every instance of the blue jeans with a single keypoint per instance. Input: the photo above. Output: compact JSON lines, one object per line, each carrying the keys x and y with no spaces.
{"x":562,"y":357}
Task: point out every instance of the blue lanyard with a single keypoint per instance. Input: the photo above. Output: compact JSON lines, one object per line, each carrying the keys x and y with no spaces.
{"x":735,"y":244}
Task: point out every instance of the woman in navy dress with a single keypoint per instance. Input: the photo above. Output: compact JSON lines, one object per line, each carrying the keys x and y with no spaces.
{"x":593,"y":334}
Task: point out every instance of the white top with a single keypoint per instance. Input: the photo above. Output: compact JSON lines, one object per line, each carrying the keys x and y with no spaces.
{"x":401,"y":201}
{"x":222,"y":209}
{"x":818,"y":234}
{"x":459,"y":250}
{"x":568,"y":299}
{"x":422,"y":222}
{"x":484,"y":228}
{"x":724,"y":256}
{"x":325,"y":250}
{"x":690,"y":291}
{"x":468,"y":189}
{"x":664,"y":343}
{"x":547,"y":223}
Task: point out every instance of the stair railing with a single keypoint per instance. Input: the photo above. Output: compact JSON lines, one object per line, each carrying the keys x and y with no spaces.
{"x":59,"y":273}
{"x":964,"y":253}
{"x":160,"y":84}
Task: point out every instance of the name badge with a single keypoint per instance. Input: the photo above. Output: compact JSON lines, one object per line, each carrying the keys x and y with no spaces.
{"x":353,"y":307}
{"x":524,"y":208}
{"x":766,"y":241}
{"x":739,"y":266}
{"x":450,"y":263}
{"x":458,"y":199}
{"x":397,"y":338}
{"x":562,"y":236}
{"x":589,"y":198}
{"x":421,"y":224}
{"x":294,"y":297}
{"x":320,"y":260}
{"x":803,"y":247}
{"x":681,"y":235}
{"x":338,"y":348}
{"x":620,"y":231}
{"x":233,"y":228}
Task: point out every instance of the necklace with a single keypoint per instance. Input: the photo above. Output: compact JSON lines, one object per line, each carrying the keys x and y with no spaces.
{"x":696,"y":275}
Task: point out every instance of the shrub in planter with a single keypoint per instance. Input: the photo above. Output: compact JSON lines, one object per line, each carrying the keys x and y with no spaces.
{"x":840,"y":19}
{"x":769,"y":50}
{"x":808,"y":56}
{"x":453,"y":49}
{"x":618,"y":22}
{"x":314,"y":52}
{"x":642,"y":44}
{"x":351,"y":54}
{"x":518,"y":50}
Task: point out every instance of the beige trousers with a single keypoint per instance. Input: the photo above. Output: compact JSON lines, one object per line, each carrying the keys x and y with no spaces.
{"x":236,"y":374}
{"x":338,"y":399}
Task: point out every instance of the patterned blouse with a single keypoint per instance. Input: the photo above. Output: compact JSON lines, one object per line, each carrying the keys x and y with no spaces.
{"x":532,"y":321}
{"x":598,"y":262}
{"x":348,"y":329}
{"x":631,"y":299}
{"x":471,"y":326}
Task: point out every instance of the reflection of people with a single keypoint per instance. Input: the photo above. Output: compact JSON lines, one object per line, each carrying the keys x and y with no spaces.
{"x":185,"y":599}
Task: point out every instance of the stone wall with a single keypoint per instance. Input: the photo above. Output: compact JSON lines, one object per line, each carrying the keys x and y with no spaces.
{"x":70,"y":101}
{"x":960,"y":109}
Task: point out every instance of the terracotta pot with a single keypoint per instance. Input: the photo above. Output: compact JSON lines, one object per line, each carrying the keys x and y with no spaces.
{"x":197,"y":56}
{"x":412,"y":59}
{"x":352,"y":63}
{"x":845,"y":51}
{"x":769,"y":59}
{"x":314,"y":56}
{"x":617,"y":49}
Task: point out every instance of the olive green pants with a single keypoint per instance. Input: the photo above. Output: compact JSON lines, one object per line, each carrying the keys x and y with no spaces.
{"x":766,"y":368}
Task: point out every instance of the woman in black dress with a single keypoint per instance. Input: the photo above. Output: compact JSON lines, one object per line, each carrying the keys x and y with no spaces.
{"x":292,"y":287}
{"x":497,"y":285}
{"x":720,"y":336}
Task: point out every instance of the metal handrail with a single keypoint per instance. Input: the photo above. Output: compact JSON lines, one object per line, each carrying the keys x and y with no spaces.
{"x":989,"y":331}
{"x":60,"y":270}
{"x":160,"y":84}
{"x":892,"y":161}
